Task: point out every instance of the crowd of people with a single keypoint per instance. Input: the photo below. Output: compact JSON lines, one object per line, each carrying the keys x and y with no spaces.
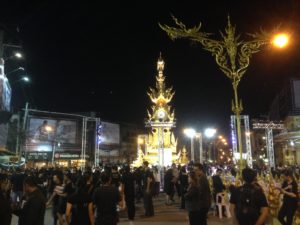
{"x":95,"y":196}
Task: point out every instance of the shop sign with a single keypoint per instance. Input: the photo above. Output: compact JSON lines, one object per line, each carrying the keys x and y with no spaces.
{"x":38,"y":156}
{"x":68,"y":156}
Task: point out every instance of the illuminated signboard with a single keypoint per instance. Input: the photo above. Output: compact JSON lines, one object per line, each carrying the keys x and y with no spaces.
{"x":44,"y":134}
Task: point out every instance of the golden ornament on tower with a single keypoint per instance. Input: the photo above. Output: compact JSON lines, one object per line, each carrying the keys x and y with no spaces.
{"x":160,"y":146}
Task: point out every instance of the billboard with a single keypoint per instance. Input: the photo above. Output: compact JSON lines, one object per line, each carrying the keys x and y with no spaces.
{"x":44,"y":134}
{"x":108,"y":136}
{"x":5,"y":94}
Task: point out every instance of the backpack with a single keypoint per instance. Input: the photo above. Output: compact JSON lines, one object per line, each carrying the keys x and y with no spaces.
{"x":246,"y":210}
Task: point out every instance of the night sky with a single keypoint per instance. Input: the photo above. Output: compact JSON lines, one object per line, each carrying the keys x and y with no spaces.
{"x":102,"y":57}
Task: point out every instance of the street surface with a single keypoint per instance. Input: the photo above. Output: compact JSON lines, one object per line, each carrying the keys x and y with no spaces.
{"x":164,"y":215}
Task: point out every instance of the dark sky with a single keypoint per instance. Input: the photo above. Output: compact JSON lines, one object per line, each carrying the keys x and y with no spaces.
{"x":102,"y":57}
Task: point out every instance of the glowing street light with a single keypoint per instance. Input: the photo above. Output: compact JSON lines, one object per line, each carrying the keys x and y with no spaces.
{"x":26,"y":79}
{"x":281,"y":40}
{"x":210,"y":132}
{"x":190,"y":132}
{"x":18,"y":55}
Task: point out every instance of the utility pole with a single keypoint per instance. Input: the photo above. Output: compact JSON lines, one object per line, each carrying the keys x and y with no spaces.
{"x":24,"y":128}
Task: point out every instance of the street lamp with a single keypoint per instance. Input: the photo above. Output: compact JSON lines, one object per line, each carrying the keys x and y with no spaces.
{"x":232,"y":55}
{"x":18,"y":55}
{"x":280,"y":40}
{"x":210,"y":133}
{"x":26,"y":79}
{"x":190,"y":132}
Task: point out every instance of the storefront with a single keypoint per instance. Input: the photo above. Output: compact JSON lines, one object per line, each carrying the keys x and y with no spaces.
{"x":38,"y":159}
{"x":70,"y":159}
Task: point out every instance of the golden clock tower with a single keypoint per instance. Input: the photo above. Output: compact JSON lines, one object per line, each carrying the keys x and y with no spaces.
{"x":161,"y":143}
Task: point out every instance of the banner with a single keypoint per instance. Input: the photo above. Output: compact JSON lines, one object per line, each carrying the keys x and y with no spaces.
{"x":44,"y":135}
{"x":5,"y":94}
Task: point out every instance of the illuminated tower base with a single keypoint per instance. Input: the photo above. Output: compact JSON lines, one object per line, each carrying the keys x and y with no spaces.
{"x":160,"y":151}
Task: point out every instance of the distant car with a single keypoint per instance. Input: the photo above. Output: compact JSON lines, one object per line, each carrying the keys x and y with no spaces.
{"x":10,"y":159}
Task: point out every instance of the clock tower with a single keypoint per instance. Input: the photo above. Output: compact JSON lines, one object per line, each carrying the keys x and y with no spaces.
{"x":161,"y":143}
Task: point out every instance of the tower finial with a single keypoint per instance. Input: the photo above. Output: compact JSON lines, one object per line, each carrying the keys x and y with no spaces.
{"x":160,"y":64}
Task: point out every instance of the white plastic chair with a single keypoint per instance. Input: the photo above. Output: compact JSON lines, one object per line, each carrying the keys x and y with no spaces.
{"x":222,"y":199}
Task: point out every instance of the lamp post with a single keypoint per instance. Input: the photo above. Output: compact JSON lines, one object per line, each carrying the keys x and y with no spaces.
{"x":200,"y":136}
{"x":210,"y":133}
{"x":191,"y":134}
{"x":231,"y":54}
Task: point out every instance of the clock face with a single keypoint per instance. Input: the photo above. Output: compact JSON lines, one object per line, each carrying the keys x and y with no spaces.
{"x":161,"y":114}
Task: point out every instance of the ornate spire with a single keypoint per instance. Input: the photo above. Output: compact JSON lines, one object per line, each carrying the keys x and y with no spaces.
{"x":161,"y":95}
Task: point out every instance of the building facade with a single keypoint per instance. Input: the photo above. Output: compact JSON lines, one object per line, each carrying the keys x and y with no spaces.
{"x":286,"y":107}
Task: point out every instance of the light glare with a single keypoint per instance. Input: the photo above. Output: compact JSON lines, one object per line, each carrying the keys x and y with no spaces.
{"x":18,"y":55}
{"x":281,"y":40}
{"x":140,"y":141}
{"x":48,"y":128}
{"x":210,"y":132}
{"x":190,"y":132}
{"x":26,"y":79}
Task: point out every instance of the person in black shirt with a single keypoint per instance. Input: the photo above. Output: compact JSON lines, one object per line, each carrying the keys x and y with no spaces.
{"x":259,"y":211}
{"x":55,"y":198}
{"x":148,"y":182}
{"x":115,"y":176}
{"x":5,"y":209}
{"x":218,"y":185}
{"x":193,"y":200}
{"x":80,"y":206}
{"x":90,"y":186}
{"x":138,"y":179}
{"x":17,"y":180}
{"x":183,"y":180}
{"x":205,"y":193}
{"x":169,"y":185}
{"x":33,"y":209}
{"x":106,"y":199}
{"x":67,"y":191}
{"x":128,"y":187}
{"x":289,"y":190}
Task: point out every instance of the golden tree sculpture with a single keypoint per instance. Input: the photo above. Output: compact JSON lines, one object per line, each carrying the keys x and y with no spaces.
{"x":231,"y":54}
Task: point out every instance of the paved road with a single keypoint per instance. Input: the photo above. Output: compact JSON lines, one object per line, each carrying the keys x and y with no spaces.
{"x":168,"y":215}
{"x":164,"y":215}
